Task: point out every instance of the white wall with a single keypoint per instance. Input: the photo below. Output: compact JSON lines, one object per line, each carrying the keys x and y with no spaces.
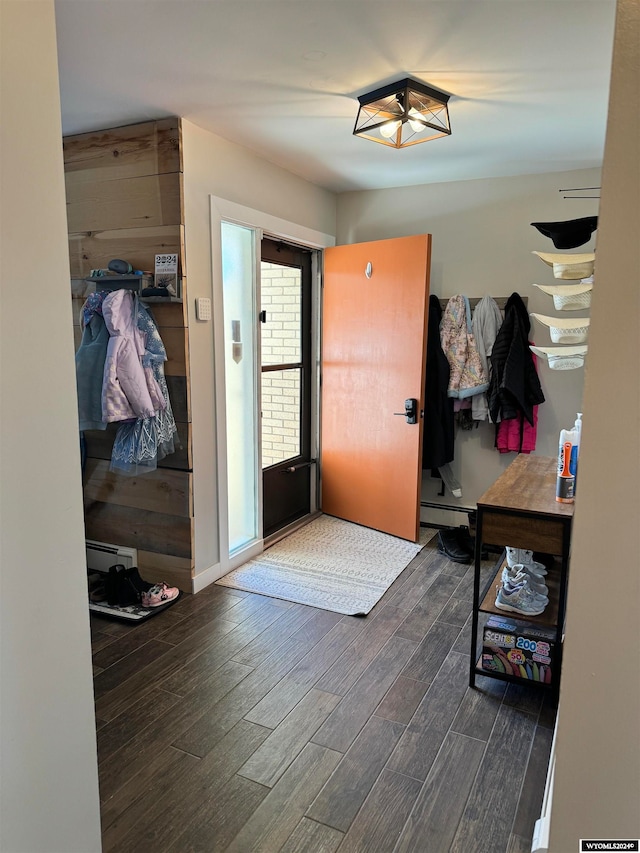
{"x":597,"y":780}
{"x":482,"y":244}
{"x":215,"y":167}
{"x":49,"y":785}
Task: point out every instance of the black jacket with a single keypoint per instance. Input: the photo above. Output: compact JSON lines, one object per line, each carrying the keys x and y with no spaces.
{"x":438,"y":436}
{"x":514,"y":385}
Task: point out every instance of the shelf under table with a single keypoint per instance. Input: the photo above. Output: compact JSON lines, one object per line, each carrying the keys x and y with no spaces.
{"x":550,"y":616}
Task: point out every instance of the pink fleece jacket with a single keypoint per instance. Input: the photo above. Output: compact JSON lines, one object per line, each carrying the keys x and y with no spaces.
{"x":126,"y":388}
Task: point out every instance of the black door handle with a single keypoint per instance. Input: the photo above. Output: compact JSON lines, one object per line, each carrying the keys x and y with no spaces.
{"x":293,"y":468}
{"x":410,"y":411}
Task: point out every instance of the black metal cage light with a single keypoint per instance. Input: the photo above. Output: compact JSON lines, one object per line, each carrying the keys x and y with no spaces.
{"x":402,"y":114}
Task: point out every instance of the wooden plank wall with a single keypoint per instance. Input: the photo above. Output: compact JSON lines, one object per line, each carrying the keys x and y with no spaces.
{"x":125,"y":200}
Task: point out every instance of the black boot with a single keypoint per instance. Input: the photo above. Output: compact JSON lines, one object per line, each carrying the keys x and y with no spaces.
{"x":466,"y":540}
{"x":456,"y":547}
{"x":133,"y":577}
{"x":129,"y":592}
{"x":112,"y":583}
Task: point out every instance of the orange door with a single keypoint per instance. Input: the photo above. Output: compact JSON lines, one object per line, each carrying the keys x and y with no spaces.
{"x":373,"y":359}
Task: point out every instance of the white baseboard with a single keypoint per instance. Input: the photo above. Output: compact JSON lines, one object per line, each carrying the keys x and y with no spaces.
{"x":207,"y":577}
{"x":540,"y":842}
{"x":213,"y":573}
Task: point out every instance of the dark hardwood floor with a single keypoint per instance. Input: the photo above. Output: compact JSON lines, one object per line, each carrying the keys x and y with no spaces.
{"x":234,"y":722}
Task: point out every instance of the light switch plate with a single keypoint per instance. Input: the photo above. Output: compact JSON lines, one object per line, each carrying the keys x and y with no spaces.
{"x":203,"y":308}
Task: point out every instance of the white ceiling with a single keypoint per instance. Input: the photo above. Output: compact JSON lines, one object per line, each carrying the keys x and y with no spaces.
{"x":528,"y":79}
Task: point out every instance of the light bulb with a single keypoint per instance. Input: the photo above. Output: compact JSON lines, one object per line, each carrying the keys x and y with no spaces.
{"x":416,"y":126}
{"x":389,"y":128}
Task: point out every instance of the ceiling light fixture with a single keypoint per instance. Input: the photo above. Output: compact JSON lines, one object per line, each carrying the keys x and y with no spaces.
{"x":402,"y":114}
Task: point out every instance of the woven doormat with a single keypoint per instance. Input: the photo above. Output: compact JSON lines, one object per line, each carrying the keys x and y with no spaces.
{"x":330,"y":564}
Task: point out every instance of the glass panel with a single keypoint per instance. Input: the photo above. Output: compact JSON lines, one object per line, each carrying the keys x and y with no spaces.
{"x":238,"y":282}
{"x":280,"y":416}
{"x":281,"y":298}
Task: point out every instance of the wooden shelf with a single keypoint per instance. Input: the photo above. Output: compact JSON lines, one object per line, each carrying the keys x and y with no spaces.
{"x":550,"y":616}
{"x":135,"y":284}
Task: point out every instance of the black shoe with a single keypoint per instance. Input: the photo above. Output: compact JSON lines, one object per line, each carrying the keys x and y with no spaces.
{"x":133,"y":576}
{"x":112,"y":583}
{"x":124,"y":586}
{"x":128,"y":591}
{"x":466,"y":540}
{"x":454,"y":545}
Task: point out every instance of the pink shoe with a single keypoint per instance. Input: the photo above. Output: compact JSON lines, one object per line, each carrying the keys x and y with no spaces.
{"x":160,"y":593}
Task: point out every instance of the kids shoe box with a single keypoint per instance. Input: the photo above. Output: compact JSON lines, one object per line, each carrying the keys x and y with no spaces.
{"x":522,"y":649}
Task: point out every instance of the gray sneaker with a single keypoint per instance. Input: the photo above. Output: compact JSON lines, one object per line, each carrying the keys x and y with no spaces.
{"x":510,"y":587}
{"x":519,"y":575}
{"x":521,"y":600}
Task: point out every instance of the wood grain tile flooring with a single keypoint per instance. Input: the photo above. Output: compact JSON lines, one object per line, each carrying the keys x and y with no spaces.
{"x":237,"y":723}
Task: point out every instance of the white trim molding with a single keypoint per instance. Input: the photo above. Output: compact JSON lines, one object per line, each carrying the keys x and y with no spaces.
{"x":268,"y":224}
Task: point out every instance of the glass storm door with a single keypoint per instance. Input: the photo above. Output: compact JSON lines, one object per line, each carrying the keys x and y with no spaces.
{"x":285,"y":354}
{"x":240,"y":340}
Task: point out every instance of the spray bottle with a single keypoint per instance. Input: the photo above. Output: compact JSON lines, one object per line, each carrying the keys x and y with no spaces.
{"x":575,"y":451}
{"x":566,"y":479}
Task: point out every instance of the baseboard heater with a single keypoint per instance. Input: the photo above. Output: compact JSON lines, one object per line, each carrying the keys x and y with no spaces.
{"x":449,"y":507}
{"x":101,"y":555}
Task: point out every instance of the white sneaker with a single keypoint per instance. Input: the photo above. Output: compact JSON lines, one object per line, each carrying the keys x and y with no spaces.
{"x":519,"y":575}
{"x":522,"y":557}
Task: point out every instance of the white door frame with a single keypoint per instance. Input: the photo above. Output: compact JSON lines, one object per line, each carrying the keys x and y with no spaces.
{"x":261,"y":223}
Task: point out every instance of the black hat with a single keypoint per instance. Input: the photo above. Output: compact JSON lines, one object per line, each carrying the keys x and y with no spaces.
{"x":570,"y":234}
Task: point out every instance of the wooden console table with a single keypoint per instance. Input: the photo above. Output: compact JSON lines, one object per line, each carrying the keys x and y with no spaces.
{"x":520,"y":510}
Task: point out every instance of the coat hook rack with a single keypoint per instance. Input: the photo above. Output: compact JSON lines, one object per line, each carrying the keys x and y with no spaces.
{"x":500,"y":301}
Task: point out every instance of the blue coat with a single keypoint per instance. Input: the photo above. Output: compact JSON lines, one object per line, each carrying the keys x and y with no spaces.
{"x":90,"y":359}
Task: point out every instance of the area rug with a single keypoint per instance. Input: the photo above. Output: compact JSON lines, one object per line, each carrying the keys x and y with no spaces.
{"x":330,"y":564}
